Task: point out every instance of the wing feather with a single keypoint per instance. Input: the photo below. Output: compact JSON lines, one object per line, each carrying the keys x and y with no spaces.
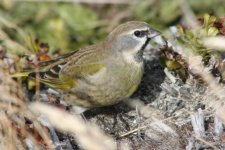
{"x":63,"y":72}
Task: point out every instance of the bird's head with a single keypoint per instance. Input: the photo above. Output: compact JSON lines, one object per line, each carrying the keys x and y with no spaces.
{"x":131,"y":38}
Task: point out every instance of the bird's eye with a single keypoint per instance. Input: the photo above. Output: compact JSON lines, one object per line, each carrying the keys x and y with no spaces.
{"x":138,"y":34}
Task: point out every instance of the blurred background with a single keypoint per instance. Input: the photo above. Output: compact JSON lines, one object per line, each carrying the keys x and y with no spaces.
{"x":70,"y":24}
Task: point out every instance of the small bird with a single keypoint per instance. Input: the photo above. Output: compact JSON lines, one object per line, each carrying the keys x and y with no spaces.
{"x":102,"y":74}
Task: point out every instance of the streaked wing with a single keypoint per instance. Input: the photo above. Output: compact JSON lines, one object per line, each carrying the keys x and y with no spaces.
{"x":57,"y":60}
{"x":51,"y":77}
{"x":63,"y":72}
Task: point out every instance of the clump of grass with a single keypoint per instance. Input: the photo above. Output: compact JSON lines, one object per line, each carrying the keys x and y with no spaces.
{"x":18,"y":125}
{"x":191,"y":39}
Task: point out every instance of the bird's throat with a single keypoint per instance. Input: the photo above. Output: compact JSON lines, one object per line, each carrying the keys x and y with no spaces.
{"x":139,"y":55}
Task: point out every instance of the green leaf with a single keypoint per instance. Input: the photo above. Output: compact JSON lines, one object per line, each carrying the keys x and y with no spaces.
{"x":180,"y":29}
{"x":212,"y":31}
{"x":208,"y":21}
{"x":162,"y":61}
{"x":172,"y":64}
{"x":1,"y":41}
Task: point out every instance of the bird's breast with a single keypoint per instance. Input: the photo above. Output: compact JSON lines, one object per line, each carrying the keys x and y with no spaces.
{"x":118,"y":81}
{"x":111,"y":84}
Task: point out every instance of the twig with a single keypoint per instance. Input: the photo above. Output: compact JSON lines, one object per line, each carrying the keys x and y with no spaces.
{"x":218,"y":125}
{"x":144,"y":127}
{"x":197,"y":121}
{"x":207,"y":143}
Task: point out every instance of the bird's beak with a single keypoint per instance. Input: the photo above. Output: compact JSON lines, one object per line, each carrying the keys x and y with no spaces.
{"x":153,"y":33}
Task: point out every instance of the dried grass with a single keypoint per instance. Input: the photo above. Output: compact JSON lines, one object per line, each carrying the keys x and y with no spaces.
{"x":13,"y":115}
{"x":196,"y":64}
{"x":88,"y":135}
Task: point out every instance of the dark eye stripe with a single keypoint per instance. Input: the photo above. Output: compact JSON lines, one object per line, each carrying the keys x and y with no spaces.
{"x":141,"y":33}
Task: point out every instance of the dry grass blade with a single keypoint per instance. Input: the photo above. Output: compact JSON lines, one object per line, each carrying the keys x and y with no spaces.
{"x":217,"y":43}
{"x":89,"y":136}
{"x":145,"y":126}
{"x":207,"y":143}
{"x":197,"y":121}
{"x":14,"y":131}
{"x":195,"y":63}
{"x":10,"y":43}
{"x":8,"y":136}
{"x":189,"y":16}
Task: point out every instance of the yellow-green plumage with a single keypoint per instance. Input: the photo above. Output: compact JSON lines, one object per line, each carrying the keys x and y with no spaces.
{"x":101,"y":74}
